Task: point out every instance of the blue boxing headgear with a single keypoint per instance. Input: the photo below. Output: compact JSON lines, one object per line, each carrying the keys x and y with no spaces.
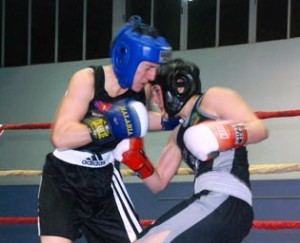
{"x":134,"y":43}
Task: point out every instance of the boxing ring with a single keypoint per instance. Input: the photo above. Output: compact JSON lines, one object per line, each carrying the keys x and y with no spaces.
{"x":254,"y":169}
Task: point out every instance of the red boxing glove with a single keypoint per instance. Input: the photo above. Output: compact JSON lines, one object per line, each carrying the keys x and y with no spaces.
{"x":131,"y":153}
{"x":205,"y":138}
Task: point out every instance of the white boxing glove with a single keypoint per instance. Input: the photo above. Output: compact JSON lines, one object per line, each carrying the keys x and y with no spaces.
{"x":121,"y":148}
{"x":203,"y":139}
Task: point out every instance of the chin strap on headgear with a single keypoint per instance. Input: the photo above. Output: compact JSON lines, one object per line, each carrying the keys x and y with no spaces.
{"x":179,"y":81}
{"x":134,"y":44}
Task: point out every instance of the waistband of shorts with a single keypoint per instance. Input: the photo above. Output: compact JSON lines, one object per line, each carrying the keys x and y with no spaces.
{"x":225,"y":183}
{"x":85,"y":159}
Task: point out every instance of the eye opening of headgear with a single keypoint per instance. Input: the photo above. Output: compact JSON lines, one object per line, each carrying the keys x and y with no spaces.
{"x":181,"y":83}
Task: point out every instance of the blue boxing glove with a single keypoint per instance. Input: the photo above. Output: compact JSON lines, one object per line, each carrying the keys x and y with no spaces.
{"x":169,"y":124}
{"x":125,"y":118}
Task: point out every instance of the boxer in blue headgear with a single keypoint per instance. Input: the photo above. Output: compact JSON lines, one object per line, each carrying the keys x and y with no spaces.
{"x":134,"y":43}
{"x":103,"y":105}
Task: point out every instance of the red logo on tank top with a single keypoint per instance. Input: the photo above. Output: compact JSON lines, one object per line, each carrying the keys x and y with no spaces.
{"x":102,"y":106}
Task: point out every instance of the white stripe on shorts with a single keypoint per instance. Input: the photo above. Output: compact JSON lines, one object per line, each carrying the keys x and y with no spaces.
{"x":125,"y":206}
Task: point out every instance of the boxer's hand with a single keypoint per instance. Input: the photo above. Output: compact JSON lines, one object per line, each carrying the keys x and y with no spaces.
{"x":203,"y":139}
{"x":124,"y":119}
{"x":169,"y":124}
{"x":131,"y":153}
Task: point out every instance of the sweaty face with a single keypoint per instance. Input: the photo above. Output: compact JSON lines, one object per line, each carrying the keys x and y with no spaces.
{"x":145,"y":73}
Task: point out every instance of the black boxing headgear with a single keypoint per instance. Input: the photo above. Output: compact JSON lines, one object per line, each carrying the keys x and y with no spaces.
{"x":179,"y":81}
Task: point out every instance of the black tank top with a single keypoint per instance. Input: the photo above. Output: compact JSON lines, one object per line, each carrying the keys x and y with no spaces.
{"x":102,"y":95}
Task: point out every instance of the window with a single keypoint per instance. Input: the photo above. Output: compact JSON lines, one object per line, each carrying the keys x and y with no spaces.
{"x":16,"y":32}
{"x":295,"y":18}
{"x":43,"y":31}
{"x":232,"y":31}
{"x":201,"y":24}
{"x":271,"y":20}
{"x":46,"y":31}
{"x":167,"y":20}
{"x":70,"y":30}
{"x":99,"y":28}
{"x":138,"y":7}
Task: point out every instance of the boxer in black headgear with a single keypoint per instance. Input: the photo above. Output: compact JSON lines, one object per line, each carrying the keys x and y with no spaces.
{"x":217,"y":125}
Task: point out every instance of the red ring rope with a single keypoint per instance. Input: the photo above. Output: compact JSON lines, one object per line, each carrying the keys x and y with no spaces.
{"x":19,"y":126}
{"x":270,"y":225}
{"x":276,"y":114}
{"x":46,"y":125}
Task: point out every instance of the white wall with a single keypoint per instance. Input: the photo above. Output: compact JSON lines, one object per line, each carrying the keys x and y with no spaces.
{"x":266,"y":75}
